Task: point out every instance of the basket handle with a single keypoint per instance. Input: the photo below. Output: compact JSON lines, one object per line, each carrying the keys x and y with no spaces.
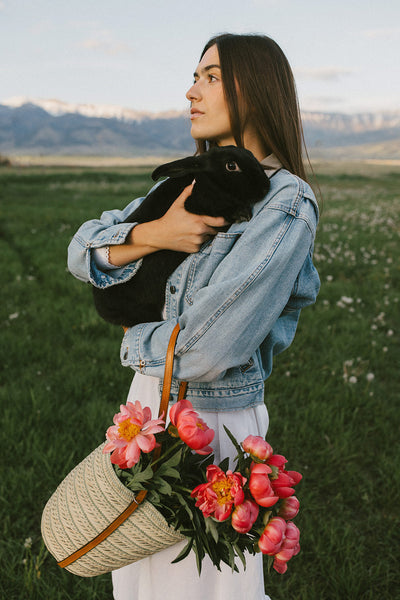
{"x":169,"y":365}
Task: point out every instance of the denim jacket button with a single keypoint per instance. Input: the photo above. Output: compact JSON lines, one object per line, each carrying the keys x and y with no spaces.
{"x":172,"y":289}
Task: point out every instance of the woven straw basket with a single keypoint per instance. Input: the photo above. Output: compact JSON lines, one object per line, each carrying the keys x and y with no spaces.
{"x":93,"y":524}
{"x":84,"y":504}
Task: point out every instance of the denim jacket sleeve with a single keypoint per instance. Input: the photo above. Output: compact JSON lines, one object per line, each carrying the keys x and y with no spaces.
{"x":227,"y":319}
{"x":107,"y":231}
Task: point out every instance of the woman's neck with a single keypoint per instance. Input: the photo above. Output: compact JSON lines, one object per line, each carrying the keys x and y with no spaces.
{"x":253,"y":143}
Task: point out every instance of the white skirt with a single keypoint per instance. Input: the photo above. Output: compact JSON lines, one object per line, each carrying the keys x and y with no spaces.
{"x":155,"y":578}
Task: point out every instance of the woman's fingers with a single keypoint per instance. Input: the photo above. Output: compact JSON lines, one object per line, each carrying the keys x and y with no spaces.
{"x":214,"y":222}
{"x":181,"y":199}
{"x":184,"y":231}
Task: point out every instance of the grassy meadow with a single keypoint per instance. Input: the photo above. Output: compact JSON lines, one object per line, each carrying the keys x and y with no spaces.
{"x":333,"y":397}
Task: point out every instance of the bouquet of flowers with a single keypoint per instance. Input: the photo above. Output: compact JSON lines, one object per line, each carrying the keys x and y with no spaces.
{"x":221,"y":512}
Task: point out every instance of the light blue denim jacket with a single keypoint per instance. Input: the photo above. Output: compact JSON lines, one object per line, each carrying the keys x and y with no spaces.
{"x":237,"y":300}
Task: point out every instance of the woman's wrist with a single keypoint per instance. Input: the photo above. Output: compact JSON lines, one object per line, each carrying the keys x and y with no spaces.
{"x":145,"y":236}
{"x":139,"y":243}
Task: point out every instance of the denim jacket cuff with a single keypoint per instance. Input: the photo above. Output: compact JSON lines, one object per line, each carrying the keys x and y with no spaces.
{"x":103,"y":279}
{"x":113,"y":235}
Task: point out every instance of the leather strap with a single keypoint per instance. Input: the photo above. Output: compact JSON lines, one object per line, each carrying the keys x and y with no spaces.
{"x":182,"y":390}
{"x":106,"y":532}
{"x":169,"y":364}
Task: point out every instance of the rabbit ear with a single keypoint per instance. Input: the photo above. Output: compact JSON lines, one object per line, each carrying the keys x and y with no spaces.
{"x":177,"y":168}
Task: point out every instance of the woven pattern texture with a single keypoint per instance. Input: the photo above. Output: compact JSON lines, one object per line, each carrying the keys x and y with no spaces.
{"x":85,"y":503}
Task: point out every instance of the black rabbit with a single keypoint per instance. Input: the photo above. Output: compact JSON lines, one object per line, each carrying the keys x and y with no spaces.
{"x":229,"y":180}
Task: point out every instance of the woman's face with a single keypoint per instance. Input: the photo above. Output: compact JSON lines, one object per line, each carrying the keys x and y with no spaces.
{"x":209,"y":111}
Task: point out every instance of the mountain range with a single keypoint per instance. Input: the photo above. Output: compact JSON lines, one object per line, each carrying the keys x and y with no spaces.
{"x":52,"y":127}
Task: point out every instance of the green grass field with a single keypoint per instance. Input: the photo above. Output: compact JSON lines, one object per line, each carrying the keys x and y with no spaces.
{"x":333,"y":397}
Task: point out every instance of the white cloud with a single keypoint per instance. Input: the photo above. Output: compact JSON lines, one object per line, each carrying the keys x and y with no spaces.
{"x":383,"y":32}
{"x":2,"y":5}
{"x":322,"y":103}
{"x":110,"y":48}
{"x":322,"y":73}
{"x":102,"y":41}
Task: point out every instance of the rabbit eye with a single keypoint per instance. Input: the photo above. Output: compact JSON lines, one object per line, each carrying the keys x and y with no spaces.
{"x":232,"y":166}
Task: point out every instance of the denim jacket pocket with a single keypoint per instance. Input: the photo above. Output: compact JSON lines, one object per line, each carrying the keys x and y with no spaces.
{"x":203,"y":264}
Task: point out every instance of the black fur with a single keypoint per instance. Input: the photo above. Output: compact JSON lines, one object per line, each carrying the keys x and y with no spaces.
{"x":229,"y":181}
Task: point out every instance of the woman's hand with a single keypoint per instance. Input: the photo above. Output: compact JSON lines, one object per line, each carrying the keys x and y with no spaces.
{"x":183,"y":231}
{"x":177,"y":230}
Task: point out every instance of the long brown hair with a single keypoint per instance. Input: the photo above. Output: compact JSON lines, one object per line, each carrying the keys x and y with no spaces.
{"x":257,"y":67}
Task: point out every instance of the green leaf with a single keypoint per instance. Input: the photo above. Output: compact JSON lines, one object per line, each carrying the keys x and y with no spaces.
{"x":134,"y":486}
{"x":240,"y":456}
{"x":183,"y":553}
{"x":174,"y":460}
{"x":145,"y":475}
{"x":240,"y":555}
{"x":154,"y":497}
{"x":233,"y":440}
{"x":224,"y":464}
{"x":211,"y":527}
{"x":164,"y":487}
{"x":166,"y":471}
{"x":185,"y":505}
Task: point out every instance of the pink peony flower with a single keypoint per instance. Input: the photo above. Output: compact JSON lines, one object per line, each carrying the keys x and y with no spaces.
{"x":132,"y":433}
{"x":289,"y":508}
{"x":257,"y":447}
{"x":260,"y":485}
{"x":244,"y":516}
{"x":271,"y":539}
{"x":191,"y":429}
{"x":282,"y":481}
{"x":290,"y":547}
{"x":221,"y":492}
{"x":277,"y":460}
{"x":281,"y":484}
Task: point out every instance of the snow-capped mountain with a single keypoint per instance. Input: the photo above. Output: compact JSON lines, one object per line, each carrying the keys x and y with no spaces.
{"x":356,"y":123}
{"x":34,"y":126}
{"x":106,"y":111}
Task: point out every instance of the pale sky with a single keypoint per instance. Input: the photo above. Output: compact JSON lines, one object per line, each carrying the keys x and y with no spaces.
{"x":141,"y":54}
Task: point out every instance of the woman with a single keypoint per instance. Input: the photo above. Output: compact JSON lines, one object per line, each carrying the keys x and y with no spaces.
{"x":237,"y":297}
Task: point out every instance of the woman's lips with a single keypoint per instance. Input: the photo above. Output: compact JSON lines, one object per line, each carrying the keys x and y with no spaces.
{"x":194,"y":114}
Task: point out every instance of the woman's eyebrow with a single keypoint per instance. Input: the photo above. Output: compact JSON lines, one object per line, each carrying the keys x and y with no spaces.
{"x":205,"y":69}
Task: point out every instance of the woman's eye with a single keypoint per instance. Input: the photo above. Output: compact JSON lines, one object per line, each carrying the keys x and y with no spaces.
{"x":232,"y":166}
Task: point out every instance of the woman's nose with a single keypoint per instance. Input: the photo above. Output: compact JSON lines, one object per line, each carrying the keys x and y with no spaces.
{"x":193,"y":92}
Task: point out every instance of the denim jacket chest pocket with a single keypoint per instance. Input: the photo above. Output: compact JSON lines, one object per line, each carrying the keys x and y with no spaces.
{"x":203,"y":264}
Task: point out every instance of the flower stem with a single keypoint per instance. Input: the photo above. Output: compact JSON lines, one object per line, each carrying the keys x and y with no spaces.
{"x":169,"y":451}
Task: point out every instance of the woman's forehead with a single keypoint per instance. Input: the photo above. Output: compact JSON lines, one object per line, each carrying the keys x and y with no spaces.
{"x":211,"y":57}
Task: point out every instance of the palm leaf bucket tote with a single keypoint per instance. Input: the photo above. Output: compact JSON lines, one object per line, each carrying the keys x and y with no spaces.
{"x":93,"y":524}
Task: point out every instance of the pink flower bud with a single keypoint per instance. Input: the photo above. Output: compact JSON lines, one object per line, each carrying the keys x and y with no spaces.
{"x":260,"y":485}
{"x":244,"y":516}
{"x":191,"y":429}
{"x":272,"y":537}
{"x":257,"y":447}
{"x":292,"y":536}
{"x":289,"y":548}
{"x":289,"y":508}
